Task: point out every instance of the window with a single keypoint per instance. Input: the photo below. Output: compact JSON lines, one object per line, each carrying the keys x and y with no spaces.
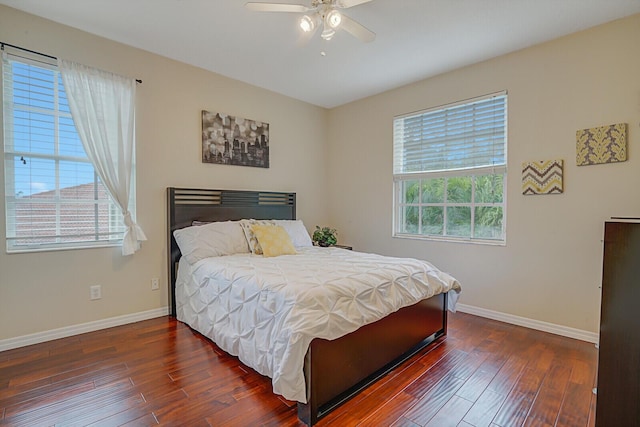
{"x":449,"y":171}
{"x":53,"y":197}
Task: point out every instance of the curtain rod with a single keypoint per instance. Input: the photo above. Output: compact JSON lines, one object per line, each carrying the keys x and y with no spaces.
{"x":3,"y":44}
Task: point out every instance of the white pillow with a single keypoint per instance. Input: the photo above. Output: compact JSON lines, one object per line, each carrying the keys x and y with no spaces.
{"x":209,"y":240}
{"x":297,"y":231}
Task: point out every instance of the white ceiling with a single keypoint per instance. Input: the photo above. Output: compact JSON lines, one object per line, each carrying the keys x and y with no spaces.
{"x":415,"y":39}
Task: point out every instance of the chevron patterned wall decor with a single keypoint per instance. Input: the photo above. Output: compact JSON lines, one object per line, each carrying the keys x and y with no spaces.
{"x":604,"y":144}
{"x":542,"y":177}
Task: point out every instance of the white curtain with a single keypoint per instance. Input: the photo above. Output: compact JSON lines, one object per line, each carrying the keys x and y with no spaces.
{"x":103,"y":109}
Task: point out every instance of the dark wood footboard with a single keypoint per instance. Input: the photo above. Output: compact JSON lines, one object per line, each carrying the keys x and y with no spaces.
{"x":336,"y":370}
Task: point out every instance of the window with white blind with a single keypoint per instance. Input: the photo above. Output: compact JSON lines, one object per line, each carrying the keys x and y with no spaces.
{"x":449,"y":171}
{"x":53,"y":197}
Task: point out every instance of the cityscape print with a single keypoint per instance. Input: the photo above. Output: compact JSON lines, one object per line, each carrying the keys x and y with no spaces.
{"x":229,"y":140}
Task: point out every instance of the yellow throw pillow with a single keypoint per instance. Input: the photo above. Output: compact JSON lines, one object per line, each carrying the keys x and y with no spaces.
{"x":274,"y":240}
{"x":246,"y":224}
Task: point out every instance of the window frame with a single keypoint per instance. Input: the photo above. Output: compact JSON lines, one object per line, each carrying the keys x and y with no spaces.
{"x":115,"y":232}
{"x":398,"y":223}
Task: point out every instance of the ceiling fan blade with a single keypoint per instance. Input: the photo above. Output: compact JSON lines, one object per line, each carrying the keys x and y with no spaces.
{"x":345,"y":4}
{"x":357,"y":30}
{"x":276,"y":7}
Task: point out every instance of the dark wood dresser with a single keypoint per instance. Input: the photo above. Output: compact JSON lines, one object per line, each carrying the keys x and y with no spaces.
{"x":618,"y":401}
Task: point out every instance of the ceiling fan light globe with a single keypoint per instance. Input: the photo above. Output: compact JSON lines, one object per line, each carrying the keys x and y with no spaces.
{"x":327,"y":34}
{"x":334,"y":18}
{"x":306,"y":24}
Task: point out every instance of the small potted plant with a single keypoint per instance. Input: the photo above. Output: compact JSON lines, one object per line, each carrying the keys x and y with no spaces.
{"x":325,"y":236}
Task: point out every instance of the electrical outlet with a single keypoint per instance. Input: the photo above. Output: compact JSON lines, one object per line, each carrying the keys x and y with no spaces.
{"x":155,"y":284}
{"x":95,"y":292}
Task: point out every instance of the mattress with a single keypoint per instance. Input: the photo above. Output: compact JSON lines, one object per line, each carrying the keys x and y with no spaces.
{"x":266,"y":311}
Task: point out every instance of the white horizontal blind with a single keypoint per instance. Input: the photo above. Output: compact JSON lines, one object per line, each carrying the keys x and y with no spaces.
{"x":53,"y":198}
{"x":463,"y":136}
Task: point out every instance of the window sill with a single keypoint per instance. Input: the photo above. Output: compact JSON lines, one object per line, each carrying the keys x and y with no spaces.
{"x":34,"y":249}
{"x":451,"y":240}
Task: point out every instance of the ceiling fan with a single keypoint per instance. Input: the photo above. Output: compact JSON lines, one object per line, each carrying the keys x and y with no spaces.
{"x":325,"y":13}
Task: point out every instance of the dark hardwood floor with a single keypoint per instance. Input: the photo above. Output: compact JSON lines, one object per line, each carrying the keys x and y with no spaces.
{"x":484,"y":373}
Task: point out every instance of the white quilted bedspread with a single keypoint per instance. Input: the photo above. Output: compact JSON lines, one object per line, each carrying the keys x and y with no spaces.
{"x":266,"y":311}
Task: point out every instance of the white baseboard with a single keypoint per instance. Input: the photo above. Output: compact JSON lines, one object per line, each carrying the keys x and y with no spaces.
{"x":552,"y":328}
{"x":68,"y":331}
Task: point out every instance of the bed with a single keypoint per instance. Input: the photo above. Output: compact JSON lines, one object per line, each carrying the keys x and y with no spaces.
{"x":333,"y":366}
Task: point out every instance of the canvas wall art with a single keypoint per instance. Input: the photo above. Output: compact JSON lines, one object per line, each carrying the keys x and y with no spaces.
{"x":230,"y":140}
{"x":604,"y":144}
{"x":542,"y":177}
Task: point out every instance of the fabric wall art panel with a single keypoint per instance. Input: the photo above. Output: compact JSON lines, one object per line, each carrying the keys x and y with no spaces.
{"x":604,"y":144}
{"x":542,"y":177}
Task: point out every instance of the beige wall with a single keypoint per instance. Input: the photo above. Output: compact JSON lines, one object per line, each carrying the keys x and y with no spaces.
{"x":49,"y":290}
{"x":550,"y":268}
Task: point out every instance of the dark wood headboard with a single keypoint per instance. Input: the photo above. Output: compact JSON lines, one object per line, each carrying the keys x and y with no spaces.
{"x":186,"y":205}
